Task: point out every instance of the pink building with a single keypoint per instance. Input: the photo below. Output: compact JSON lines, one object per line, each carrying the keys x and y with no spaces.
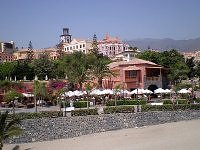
{"x":110,"y":46}
{"x":137,"y":73}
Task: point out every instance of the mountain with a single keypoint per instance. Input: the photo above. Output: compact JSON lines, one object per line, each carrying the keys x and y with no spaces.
{"x":165,"y":44}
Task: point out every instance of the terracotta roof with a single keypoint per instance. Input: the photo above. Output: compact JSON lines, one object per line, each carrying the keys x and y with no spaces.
{"x":134,"y":61}
{"x":131,"y":68}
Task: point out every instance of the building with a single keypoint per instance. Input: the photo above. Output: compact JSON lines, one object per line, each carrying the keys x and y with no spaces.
{"x":52,"y":53}
{"x":6,"y":57}
{"x":110,"y":46}
{"x":69,"y":45}
{"x":188,"y":55}
{"x":137,"y":73}
{"x":78,"y":45}
{"x":7,"y":47}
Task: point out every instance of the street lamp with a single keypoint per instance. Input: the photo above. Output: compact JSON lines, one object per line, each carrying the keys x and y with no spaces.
{"x":35,"y":98}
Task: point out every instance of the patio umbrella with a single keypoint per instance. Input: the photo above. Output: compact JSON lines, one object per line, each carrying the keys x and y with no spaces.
{"x":184,"y":91}
{"x":137,"y":91}
{"x":159,"y":91}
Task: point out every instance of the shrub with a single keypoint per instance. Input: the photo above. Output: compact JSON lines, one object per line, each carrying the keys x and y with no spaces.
{"x":167,"y":101}
{"x":146,"y":108}
{"x":49,"y":114}
{"x":126,"y":102}
{"x":119,"y":109}
{"x":181,"y":101}
{"x":80,"y":104}
{"x":84,"y":112}
{"x":197,"y":100}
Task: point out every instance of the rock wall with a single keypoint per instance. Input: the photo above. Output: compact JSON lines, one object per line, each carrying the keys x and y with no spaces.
{"x":68,"y":127}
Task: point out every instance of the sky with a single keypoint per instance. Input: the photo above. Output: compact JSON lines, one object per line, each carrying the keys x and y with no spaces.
{"x":41,"y":21}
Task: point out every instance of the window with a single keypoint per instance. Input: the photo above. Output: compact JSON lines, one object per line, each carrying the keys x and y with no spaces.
{"x":76,"y":46}
{"x":73,"y":47}
{"x":67,"y":48}
{"x":83,"y":45}
{"x":70,"y":48}
{"x":80,"y":46}
{"x":131,"y":74}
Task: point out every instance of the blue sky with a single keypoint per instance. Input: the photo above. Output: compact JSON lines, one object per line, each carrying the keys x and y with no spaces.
{"x":41,"y":21}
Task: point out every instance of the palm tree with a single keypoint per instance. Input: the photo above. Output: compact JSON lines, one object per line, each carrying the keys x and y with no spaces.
{"x":40,"y":92}
{"x":8,"y":128}
{"x":76,"y":68}
{"x":100,"y":68}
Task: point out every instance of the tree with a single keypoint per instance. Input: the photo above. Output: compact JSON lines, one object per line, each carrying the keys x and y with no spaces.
{"x":95,"y":49}
{"x":100,"y":69}
{"x":76,"y":68}
{"x":150,"y":56}
{"x":12,"y":95}
{"x":6,"y":70}
{"x":43,"y":67}
{"x":191,"y":65}
{"x":8,"y":128}
{"x":40,"y":92}
{"x":30,"y":53}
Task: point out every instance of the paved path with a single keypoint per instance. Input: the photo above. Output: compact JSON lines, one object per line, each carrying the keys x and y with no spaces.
{"x":183,"y":135}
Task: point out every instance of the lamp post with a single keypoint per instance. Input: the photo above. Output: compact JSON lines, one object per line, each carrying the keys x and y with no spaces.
{"x":35,"y":98}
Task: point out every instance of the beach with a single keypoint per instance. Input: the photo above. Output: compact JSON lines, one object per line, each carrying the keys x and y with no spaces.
{"x":183,"y":135}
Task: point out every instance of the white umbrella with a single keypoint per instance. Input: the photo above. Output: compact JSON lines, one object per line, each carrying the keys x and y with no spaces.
{"x":27,"y":95}
{"x":147,"y":91}
{"x":137,"y":91}
{"x":159,"y":90}
{"x":184,"y":91}
{"x":108,"y":91}
{"x":167,"y":91}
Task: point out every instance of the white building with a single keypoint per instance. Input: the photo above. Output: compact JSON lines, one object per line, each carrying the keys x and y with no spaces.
{"x":77,"y":45}
{"x":111,"y":46}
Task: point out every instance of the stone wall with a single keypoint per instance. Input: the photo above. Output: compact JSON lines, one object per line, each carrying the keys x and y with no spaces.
{"x":68,"y":127}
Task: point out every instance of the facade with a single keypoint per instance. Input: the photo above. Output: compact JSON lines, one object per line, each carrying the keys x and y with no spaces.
{"x":69,"y":45}
{"x":77,"y":45}
{"x":188,"y":55}
{"x":137,"y":73}
{"x":7,"y":47}
{"x":110,"y":46}
{"x":52,"y":53}
{"x":6,"y":57}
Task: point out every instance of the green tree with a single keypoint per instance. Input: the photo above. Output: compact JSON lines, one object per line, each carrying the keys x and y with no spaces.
{"x":8,"y":128}
{"x":6,"y":70}
{"x":150,"y":56}
{"x":39,"y":91}
{"x":99,"y":68}
{"x":22,"y":69}
{"x":43,"y":67}
{"x":191,"y":65}
{"x":12,"y":95}
{"x":76,"y":68}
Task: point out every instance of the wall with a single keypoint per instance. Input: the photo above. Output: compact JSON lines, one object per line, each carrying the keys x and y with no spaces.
{"x":68,"y":127}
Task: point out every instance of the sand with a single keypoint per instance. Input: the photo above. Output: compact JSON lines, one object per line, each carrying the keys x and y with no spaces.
{"x":182,"y":135}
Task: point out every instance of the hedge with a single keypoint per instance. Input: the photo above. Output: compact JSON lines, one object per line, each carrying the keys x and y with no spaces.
{"x":49,"y":114}
{"x":84,"y":112}
{"x":81,"y":104}
{"x":126,"y":102}
{"x":118,"y":109}
{"x":146,"y":108}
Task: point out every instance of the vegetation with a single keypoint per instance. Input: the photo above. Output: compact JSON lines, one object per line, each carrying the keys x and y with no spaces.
{"x":80,"y":104}
{"x":178,"y":69}
{"x":12,"y":95}
{"x":126,"y":102}
{"x":8,"y":127}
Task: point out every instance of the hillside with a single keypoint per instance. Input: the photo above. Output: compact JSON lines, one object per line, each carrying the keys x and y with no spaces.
{"x":166,"y":44}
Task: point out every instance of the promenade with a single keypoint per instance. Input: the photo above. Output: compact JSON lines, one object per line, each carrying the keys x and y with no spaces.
{"x":182,"y":135}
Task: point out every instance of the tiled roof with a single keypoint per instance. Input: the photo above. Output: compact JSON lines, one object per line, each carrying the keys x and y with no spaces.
{"x":134,"y":61}
{"x":131,"y":68}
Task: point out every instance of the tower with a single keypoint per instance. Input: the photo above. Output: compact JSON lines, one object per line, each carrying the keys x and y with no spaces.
{"x":66,"y":37}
